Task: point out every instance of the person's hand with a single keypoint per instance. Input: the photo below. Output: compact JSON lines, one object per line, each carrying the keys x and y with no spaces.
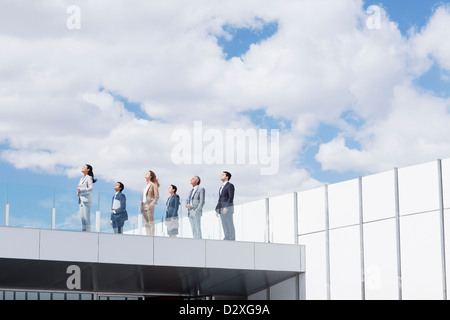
{"x":112,"y":212}
{"x":225,"y":210}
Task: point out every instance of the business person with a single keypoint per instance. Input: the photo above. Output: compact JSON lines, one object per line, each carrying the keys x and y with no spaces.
{"x":195,"y":204}
{"x":225,"y":206}
{"x":84,"y":191}
{"x":172,"y":205}
{"x":150,"y":196}
{"x":118,"y":208}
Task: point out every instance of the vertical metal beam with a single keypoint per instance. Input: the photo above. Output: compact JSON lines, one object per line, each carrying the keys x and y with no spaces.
{"x":267,"y":221}
{"x":397,"y":225}
{"x":53,"y":223}
{"x":327,"y":243}
{"x":295,"y":218}
{"x":7,"y":215}
{"x":7,"y":206}
{"x":97,"y":221}
{"x":442,"y":229}
{"x":361,"y":240}
{"x":298,"y":294}
{"x":97,"y":215}
{"x":53,"y":218}
{"x":139,"y":223}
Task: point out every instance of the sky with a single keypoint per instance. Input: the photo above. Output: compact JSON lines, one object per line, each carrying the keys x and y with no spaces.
{"x":324,"y":91}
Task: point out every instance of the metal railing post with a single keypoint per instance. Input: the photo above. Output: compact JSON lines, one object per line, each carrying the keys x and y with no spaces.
{"x":7,"y":215}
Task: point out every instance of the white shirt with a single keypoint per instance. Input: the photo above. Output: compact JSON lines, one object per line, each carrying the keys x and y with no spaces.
{"x":144,"y":193}
{"x":223,"y":186}
{"x":116,"y":203}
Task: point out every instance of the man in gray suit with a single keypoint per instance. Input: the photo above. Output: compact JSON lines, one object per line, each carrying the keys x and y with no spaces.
{"x":195,"y":204}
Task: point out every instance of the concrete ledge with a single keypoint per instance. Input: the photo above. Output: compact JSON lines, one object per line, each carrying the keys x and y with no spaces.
{"x":270,"y":256}
{"x":230,"y":254}
{"x":59,"y":245}
{"x":119,"y":248}
{"x":19,"y":243}
{"x":37,"y":259}
{"x":179,"y":252}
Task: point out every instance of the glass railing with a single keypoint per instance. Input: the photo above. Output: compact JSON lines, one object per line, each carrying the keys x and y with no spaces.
{"x":289,"y":218}
{"x":32,"y":206}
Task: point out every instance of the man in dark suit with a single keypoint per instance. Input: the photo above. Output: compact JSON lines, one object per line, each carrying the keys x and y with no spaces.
{"x":225,"y":206}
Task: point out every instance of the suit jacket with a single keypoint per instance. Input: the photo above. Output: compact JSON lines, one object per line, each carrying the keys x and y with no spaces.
{"x":151,"y":197}
{"x":86,"y":186}
{"x":172,"y":204}
{"x":121,"y":214}
{"x":197,"y":202}
{"x":226,"y":198}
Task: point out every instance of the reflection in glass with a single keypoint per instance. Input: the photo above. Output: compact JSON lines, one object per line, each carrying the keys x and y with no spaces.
{"x":30,"y":211}
{"x":3,"y":201}
{"x":446,"y":182}
{"x":378,"y":194}
{"x":316,"y":265}
{"x":67,"y":215}
{"x":447,"y":244}
{"x":421,"y":256}
{"x":282,"y":219}
{"x":311,"y":210}
{"x":345,"y":263}
{"x":380,"y":260}
{"x":238,"y":223}
{"x":343,"y":203}
{"x":418,"y":188}
{"x":254,"y":221}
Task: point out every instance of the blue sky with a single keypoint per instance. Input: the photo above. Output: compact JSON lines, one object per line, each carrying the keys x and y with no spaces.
{"x":406,"y":13}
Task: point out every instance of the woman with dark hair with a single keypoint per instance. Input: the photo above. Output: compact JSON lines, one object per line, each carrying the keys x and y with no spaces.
{"x":172,"y":204}
{"x":150,"y":196}
{"x":84,"y":190}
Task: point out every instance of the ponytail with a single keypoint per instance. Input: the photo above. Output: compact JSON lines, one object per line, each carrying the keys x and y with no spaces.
{"x":91,"y":172}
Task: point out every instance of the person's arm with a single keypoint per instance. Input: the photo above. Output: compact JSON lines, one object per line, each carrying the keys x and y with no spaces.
{"x":176,"y":206}
{"x":156,"y":194}
{"x":202,"y":200}
{"x":230,"y":196}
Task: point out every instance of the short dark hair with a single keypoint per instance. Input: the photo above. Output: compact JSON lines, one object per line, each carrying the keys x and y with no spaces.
{"x":121,"y":186}
{"x":174,"y":188}
{"x":198,"y":179}
{"x":228,"y":175}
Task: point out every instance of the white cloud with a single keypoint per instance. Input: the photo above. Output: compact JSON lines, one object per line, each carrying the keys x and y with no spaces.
{"x":430,"y":43}
{"x":415,"y":131}
{"x":57,"y":109}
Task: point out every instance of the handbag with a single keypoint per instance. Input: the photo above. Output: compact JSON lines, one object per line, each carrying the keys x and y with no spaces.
{"x":172,"y":224}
